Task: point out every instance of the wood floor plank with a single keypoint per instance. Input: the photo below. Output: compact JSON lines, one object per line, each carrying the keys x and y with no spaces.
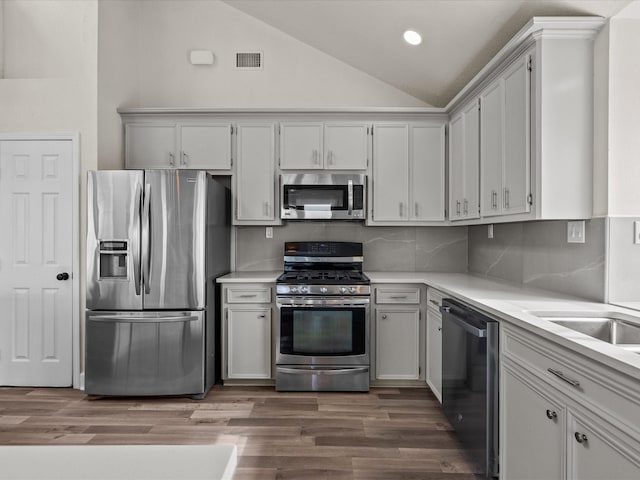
{"x":385,"y":434}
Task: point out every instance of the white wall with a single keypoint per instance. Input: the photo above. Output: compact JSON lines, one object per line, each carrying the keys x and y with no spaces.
{"x":294,"y":74}
{"x":117,"y":75}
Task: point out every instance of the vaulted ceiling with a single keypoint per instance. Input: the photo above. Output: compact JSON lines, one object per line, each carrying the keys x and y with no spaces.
{"x":459,"y":36}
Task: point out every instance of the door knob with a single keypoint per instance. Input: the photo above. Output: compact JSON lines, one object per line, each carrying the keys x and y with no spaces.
{"x":63,"y":276}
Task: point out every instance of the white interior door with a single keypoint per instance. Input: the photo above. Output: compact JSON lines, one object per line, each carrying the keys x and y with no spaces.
{"x":36,"y":251}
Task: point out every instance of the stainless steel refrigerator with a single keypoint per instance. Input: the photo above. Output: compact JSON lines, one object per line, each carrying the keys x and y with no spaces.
{"x":156,"y":241}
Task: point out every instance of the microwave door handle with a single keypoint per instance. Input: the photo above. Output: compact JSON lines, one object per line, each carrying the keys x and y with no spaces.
{"x":350,"y":194}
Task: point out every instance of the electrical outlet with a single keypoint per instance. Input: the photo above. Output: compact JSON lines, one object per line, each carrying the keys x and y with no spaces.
{"x":575,"y":232}
{"x":636,"y":232}
{"x":268,"y":232}
{"x":490,"y":230}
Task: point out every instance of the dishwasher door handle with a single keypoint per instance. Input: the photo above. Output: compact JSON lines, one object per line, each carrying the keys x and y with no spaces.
{"x":479,"y":331}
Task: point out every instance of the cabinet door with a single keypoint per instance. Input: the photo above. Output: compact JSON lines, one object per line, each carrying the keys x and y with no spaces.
{"x":426,"y":175}
{"x":150,"y":146}
{"x":595,"y":455}
{"x":491,"y":149}
{"x":301,"y":145}
{"x":397,"y":344}
{"x":531,"y":442}
{"x":390,"y":172}
{"x":255,"y":173}
{"x":517,"y":136}
{"x":434,"y":353}
{"x":346,"y":146}
{"x":249,"y":342}
{"x":205,"y":147}
{"x":471,"y":197}
{"x":456,"y":166}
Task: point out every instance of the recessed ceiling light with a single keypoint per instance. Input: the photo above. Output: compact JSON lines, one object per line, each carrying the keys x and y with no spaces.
{"x":412,"y":37}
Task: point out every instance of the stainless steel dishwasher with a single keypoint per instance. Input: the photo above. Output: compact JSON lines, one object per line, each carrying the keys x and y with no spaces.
{"x":470,"y":381}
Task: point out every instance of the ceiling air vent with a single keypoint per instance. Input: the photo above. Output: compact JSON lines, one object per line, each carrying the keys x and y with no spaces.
{"x":249,"y":60}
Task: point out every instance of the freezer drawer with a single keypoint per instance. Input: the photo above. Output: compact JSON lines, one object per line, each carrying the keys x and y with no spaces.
{"x":145,"y":353}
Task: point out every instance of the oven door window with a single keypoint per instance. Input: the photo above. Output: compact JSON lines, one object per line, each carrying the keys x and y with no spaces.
{"x":322,"y":331}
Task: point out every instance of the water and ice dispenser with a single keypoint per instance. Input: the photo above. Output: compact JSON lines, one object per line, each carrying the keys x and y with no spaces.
{"x":113,"y":258}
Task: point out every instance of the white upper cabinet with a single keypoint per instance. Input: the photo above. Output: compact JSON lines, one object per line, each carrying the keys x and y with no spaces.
{"x":505,"y":141}
{"x":324,"y":146}
{"x":464,"y":163}
{"x":408,"y":173}
{"x":205,"y":146}
{"x":254,"y":179}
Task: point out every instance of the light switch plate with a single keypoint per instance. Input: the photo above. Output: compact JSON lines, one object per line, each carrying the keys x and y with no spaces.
{"x":575,"y":232}
{"x":268,"y":233}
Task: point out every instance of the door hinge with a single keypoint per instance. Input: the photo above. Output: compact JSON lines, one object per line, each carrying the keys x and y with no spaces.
{"x":530,"y":64}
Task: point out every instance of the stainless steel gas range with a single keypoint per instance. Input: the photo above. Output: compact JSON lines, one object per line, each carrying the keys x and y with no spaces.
{"x":323,"y":318}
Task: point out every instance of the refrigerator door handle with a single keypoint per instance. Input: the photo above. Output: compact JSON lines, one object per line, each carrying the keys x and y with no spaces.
{"x":146,"y":239}
{"x":136,"y":238}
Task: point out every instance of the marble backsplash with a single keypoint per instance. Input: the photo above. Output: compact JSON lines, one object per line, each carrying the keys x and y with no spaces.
{"x":419,"y":249}
{"x":537,"y":254}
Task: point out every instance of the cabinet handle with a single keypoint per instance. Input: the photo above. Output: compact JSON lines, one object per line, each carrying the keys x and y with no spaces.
{"x":439,"y":329}
{"x":551,"y":415}
{"x":494,"y":200}
{"x":401,"y":209}
{"x":262,"y":315}
{"x":398,"y":296}
{"x":384,"y":317}
{"x":248,"y":295}
{"x":560,"y":375}
{"x":466,"y":206}
{"x":185,"y":159}
{"x":580,"y":437}
{"x":435,"y":302}
{"x":415,"y":210}
{"x":315,"y":157}
{"x":506,"y":198}
{"x":265,"y":208}
{"x":458,"y":207}
{"x":330,"y":157}
{"x":172,"y":159}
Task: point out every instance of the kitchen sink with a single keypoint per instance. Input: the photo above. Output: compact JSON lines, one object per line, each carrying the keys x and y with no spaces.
{"x":611,"y":327}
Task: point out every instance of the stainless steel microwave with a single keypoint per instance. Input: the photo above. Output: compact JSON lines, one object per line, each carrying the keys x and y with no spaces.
{"x":322,"y":196}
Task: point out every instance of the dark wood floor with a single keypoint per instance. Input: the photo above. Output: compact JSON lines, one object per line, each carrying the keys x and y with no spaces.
{"x":386,"y":434}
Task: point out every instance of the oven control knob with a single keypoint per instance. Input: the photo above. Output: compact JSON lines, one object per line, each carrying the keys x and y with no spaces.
{"x":352,"y":290}
{"x":323,"y":290}
{"x":294,"y":290}
{"x":343,"y":290}
{"x":304,"y":289}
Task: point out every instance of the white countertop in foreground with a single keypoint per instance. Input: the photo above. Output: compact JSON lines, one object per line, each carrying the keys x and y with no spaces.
{"x":507,"y":302}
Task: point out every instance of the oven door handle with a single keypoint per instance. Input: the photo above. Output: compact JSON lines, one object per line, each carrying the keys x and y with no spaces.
{"x":324,"y":371}
{"x":350,"y":194}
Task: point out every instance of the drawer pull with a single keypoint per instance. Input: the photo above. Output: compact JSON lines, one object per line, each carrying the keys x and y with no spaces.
{"x":560,"y":375}
{"x":397,"y":297}
{"x":551,"y":415}
{"x":435,"y":302}
{"x":384,"y":317}
{"x":262,"y":315}
{"x":580,"y":437}
{"x":248,"y":295}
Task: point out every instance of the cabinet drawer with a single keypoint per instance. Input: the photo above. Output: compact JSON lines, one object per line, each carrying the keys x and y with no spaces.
{"x":408,"y":295}
{"x":248,"y":294}
{"x":580,"y":379}
{"x":434,"y":299}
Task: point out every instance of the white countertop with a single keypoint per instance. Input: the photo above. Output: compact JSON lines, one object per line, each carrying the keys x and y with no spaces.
{"x":511,"y":303}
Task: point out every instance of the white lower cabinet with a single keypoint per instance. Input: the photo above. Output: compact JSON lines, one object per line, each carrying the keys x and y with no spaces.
{"x":434,"y":342}
{"x":398,"y":324}
{"x":247,"y":333}
{"x":563,"y":415}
